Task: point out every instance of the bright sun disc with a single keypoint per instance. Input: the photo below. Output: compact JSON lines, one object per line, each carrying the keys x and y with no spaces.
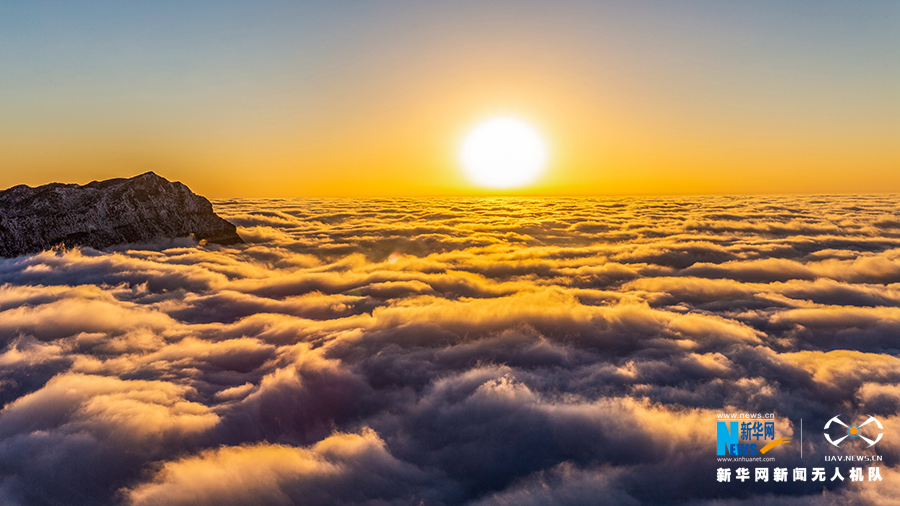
{"x":503,"y":153}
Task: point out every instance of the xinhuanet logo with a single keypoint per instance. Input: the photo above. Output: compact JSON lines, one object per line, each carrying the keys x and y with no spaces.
{"x":737,"y":438}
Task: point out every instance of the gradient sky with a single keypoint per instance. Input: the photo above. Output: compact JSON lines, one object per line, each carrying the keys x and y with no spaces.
{"x":349,"y":98}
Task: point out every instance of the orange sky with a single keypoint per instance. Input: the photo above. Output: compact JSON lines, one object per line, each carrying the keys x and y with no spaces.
{"x":365,"y":100}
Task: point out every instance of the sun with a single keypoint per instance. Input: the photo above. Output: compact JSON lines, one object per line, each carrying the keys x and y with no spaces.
{"x":503,"y":153}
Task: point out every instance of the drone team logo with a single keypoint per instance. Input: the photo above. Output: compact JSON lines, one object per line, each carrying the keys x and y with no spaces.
{"x":854,"y":431}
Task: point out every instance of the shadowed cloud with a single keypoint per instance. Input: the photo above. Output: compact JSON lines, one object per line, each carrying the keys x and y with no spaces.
{"x":451,"y":351}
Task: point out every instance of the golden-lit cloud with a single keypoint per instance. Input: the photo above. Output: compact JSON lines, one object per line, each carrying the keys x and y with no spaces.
{"x":341,"y":467}
{"x":448,"y":351}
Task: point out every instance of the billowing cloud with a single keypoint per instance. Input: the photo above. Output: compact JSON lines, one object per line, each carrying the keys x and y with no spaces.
{"x":342,"y":468}
{"x":454,"y":351}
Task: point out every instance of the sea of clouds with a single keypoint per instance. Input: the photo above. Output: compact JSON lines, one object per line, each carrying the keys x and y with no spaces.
{"x":454,"y":351}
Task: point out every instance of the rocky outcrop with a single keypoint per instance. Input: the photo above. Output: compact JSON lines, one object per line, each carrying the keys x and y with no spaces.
{"x":106,"y":213}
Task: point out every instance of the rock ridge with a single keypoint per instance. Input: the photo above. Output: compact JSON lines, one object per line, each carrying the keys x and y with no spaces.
{"x":106,"y":213}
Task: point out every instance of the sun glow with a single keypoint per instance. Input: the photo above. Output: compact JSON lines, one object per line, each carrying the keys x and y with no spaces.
{"x":503,"y":153}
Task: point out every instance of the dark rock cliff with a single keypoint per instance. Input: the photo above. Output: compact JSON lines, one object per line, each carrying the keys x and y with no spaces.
{"x":105,"y":213}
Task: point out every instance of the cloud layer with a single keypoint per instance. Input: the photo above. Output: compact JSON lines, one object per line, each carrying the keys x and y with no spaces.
{"x":459,"y":351}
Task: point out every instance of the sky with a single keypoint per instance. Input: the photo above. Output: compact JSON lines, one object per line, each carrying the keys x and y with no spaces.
{"x":366,"y":98}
